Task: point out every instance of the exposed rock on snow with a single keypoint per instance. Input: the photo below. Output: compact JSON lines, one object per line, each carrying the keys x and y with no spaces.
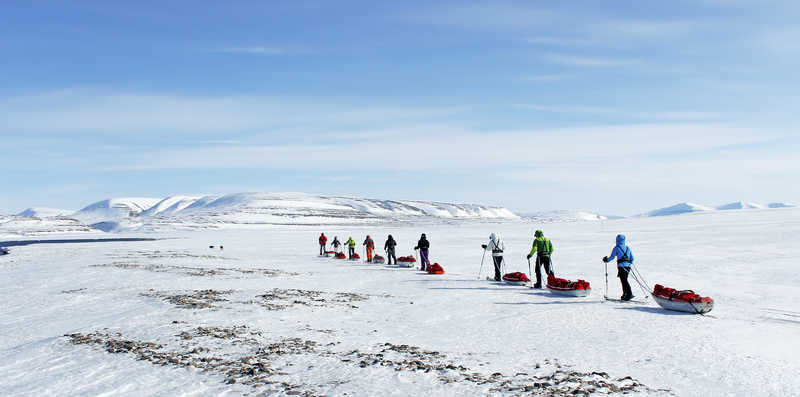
{"x":681,"y":208}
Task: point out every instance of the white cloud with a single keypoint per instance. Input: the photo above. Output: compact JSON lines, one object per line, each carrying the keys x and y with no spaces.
{"x":687,"y":115}
{"x":86,"y":111}
{"x":262,"y":50}
{"x":588,"y":61}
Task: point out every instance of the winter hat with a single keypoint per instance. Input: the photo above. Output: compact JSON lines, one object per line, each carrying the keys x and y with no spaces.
{"x":538,"y":234}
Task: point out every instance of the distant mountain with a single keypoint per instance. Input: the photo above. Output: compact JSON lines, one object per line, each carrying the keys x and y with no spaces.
{"x":740,"y":205}
{"x":42,"y":212}
{"x":563,"y":216}
{"x":677,"y":209}
{"x":114,"y":209}
{"x":20,"y":226}
{"x":780,"y":205}
{"x":215,"y":211}
{"x":170,"y":205}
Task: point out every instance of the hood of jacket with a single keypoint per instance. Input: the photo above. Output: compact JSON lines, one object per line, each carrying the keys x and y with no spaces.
{"x":621,"y":240}
{"x":538,"y":233}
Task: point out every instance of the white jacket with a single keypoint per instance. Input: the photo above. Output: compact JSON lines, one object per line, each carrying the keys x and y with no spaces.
{"x":495,"y":244}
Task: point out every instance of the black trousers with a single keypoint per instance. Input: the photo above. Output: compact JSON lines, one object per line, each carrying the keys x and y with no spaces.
{"x":542,"y":261}
{"x":322,"y":249}
{"x":498,"y":263}
{"x":622,"y":273}
{"x":390,"y":256}
{"x":350,"y":252}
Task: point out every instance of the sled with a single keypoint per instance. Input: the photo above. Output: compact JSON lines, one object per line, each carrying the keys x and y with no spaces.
{"x":564,"y":287}
{"x":516,"y":278}
{"x":686,"y":301}
{"x":355,"y":257}
{"x":406,"y":261}
{"x":340,"y":255}
{"x":435,"y":269}
{"x":378,"y":259}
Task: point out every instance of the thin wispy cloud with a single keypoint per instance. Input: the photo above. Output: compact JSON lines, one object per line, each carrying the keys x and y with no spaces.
{"x":262,"y":50}
{"x":687,"y":115}
{"x":588,"y":61}
{"x":548,"y":78}
{"x":559,"y":41}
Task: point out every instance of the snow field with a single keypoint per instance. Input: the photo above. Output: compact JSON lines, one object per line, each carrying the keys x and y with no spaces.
{"x":746,"y":261}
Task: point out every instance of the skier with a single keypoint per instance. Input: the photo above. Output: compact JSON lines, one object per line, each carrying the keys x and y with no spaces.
{"x":322,"y":241}
{"x":422,"y":245}
{"x":370,"y":247}
{"x":624,"y":257}
{"x":497,"y":247}
{"x":543,"y":248}
{"x":389,"y":248}
{"x":351,"y":245}
{"x":336,"y":243}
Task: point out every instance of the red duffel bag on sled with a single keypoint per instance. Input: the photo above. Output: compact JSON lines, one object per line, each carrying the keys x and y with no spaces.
{"x":435,"y":269}
{"x":561,"y":286}
{"x":516,"y":278}
{"x":683,"y":301}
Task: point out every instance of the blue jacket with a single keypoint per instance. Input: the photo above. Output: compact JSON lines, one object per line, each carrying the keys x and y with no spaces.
{"x":620,"y":250}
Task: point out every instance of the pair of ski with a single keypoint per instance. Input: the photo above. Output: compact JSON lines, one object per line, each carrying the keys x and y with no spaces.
{"x":623,"y":301}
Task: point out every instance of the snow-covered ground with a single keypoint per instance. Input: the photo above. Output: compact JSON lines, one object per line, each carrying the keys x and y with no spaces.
{"x":266,"y":315}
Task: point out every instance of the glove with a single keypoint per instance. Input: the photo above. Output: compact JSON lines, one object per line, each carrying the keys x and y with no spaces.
{"x":483,"y":246}
{"x":529,"y":256}
{"x":605,"y":259}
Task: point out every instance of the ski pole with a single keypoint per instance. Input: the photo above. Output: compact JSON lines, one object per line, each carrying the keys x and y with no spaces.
{"x":605,"y":294}
{"x":530,"y":274}
{"x":481,"y":269}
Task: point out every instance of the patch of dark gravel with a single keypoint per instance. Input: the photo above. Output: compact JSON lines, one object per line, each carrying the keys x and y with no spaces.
{"x":280,"y":299}
{"x":246,"y":356}
{"x":196,"y":299}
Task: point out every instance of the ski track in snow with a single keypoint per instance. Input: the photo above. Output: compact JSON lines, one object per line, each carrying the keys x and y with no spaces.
{"x":338,"y":328}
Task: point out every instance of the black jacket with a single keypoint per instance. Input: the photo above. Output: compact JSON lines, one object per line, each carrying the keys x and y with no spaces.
{"x":423,"y":244}
{"x":390,"y":244}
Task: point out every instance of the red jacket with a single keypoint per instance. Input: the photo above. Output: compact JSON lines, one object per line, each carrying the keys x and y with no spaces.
{"x":323,"y":240}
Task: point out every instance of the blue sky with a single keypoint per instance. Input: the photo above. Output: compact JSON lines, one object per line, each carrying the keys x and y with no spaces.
{"x":616,"y":107}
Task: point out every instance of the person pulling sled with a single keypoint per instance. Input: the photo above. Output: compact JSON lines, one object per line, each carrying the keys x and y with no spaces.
{"x":497,"y":247}
{"x":543,"y":248}
{"x":624,"y":257}
{"x":389,"y":248}
{"x":423,"y":245}
{"x":370,"y":247}
{"x":322,"y":242}
{"x":336,"y":244}
{"x":351,"y":247}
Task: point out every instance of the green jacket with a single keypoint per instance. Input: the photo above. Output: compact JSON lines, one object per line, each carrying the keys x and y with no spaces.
{"x":541,"y":245}
{"x":350,"y":242}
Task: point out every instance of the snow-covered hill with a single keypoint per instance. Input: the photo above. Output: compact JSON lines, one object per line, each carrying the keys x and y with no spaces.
{"x":42,"y":212}
{"x":677,"y":209}
{"x":740,"y":205}
{"x":300,"y":208}
{"x":780,"y":205}
{"x":563,"y":216}
{"x":114,"y":209}
{"x":19,"y":226}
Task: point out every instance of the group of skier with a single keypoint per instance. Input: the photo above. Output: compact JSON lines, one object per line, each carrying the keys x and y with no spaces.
{"x":542,"y":248}
{"x":369,"y":244}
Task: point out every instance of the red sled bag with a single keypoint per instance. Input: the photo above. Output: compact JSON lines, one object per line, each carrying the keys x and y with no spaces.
{"x":561,"y":286}
{"x":340,"y":255}
{"x":683,"y":301}
{"x":435,"y":269}
{"x":516,"y":278}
